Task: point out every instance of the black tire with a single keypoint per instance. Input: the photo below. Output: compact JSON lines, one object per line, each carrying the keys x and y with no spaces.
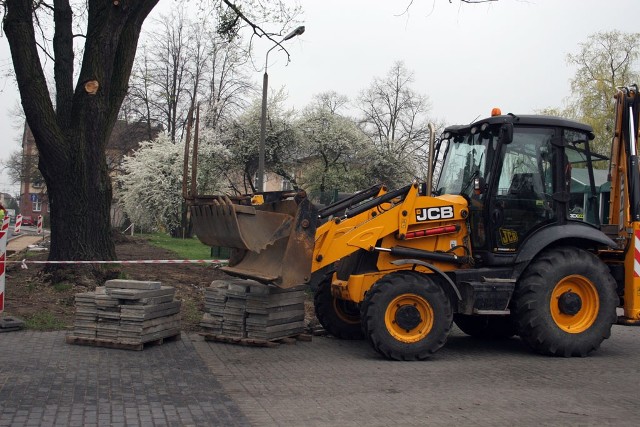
{"x":486,"y":327}
{"x":407,"y":316}
{"x":338,"y":317}
{"x":565,"y":303}
{"x":363,"y":311}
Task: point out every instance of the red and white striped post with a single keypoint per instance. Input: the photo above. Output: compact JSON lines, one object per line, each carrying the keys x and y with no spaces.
{"x":39,"y":224}
{"x":18,"y":224}
{"x":3,"y":256}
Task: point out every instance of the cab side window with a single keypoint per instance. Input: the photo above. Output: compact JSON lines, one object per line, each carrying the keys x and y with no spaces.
{"x":584,"y":201}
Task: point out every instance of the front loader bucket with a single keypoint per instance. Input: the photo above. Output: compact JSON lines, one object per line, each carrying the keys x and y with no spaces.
{"x":273,"y":241}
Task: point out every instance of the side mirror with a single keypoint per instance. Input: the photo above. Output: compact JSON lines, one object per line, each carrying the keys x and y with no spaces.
{"x":506,"y":133}
{"x":479,"y":185}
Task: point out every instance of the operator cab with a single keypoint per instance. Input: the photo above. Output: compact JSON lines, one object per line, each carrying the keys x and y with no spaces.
{"x":515,"y":172}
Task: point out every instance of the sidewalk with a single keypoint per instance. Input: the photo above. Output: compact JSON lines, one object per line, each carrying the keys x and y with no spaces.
{"x":22,"y":241}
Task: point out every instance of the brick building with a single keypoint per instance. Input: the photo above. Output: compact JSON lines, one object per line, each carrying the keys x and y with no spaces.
{"x":125,"y":138}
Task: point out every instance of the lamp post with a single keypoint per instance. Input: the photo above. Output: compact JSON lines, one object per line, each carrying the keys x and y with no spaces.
{"x":263,"y":118}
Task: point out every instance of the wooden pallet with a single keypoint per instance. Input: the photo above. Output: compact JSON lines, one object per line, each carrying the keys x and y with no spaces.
{"x":254,"y":342}
{"x":98,"y":342}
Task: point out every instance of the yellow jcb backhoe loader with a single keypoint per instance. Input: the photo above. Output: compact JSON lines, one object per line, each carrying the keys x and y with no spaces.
{"x":520,"y":235}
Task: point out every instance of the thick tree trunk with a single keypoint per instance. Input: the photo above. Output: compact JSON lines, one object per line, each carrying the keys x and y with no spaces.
{"x":71,"y":138}
{"x":80,"y":194}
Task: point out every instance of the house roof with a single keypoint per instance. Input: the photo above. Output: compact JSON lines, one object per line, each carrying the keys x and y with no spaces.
{"x":126,"y":136}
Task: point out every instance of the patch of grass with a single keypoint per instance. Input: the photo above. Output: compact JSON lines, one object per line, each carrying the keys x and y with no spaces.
{"x":189,"y":248}
{"x":62,"y":287}
{"x":44,"y":321}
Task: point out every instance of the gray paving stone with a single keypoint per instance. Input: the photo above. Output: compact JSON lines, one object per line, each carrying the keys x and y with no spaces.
{"x":43,"y":380}
{"x":330,"y":382}
{"x":323,"y":383}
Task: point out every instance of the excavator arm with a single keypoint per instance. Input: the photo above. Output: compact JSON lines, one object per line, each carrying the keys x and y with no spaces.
{"x":624,"y":206}
{"x":273,"y":234}
{"x":283,"y":240}
{"x":396,"y":220}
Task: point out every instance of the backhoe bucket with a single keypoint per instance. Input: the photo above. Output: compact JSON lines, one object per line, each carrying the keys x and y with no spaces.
{"x":273,"y":241}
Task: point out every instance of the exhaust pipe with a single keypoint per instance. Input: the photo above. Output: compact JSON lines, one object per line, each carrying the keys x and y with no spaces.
{"x":432,"y":136}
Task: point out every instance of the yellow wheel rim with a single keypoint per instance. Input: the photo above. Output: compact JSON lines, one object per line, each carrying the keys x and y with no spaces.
{"x":588,"y":311}
{"x":341,"y":310}
{"x":417,"y":305}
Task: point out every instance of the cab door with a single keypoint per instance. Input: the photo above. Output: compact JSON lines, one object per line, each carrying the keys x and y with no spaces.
{"x":523,"y":188}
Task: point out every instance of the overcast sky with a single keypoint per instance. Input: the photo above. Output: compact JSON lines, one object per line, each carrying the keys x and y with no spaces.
{"x":466,"y":58}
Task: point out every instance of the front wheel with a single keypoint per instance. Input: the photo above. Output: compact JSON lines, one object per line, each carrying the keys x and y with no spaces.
{"x":407,"y":316}
{"x":565,"y":303}
{"x":338,"y":317}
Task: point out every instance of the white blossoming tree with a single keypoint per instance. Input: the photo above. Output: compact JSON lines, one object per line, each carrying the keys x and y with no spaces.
{"x":150,"y":190}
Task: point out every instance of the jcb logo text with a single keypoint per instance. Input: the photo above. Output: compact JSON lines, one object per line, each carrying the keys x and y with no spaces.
{"x":434,"y":214}
{"x":508,"y":237}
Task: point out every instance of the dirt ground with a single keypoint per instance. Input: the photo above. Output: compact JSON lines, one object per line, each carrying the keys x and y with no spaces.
{"x":27,"y":294}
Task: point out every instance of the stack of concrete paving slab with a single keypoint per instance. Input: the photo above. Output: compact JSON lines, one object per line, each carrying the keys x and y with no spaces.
{"x":128,"y":312}
{"x":239,"y":308}
{"x":85,"y":321}
{"x":274,"y":313}
{"x":214,"y":300}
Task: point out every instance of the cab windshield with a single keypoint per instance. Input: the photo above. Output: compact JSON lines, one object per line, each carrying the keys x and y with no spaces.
{"x":464,"y":158}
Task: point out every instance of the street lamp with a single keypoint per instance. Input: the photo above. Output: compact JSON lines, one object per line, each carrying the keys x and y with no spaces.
{"x":263,"y":118}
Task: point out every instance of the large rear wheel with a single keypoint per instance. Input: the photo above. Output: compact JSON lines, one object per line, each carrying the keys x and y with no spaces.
{"x":565,"y":303}
{"x":338,"y":317}
{"x":407,"y":316}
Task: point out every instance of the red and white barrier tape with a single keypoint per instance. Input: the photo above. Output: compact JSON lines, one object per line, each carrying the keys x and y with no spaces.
{"x":218,"y":262}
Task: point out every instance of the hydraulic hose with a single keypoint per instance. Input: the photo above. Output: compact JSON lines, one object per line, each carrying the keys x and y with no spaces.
{"x":377,"y":201}
{"x":349,"y":201}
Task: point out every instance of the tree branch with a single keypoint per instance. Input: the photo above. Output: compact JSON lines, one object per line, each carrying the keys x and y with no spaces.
{"x":257,"y":30}
{"x":44,"y":4}
{"x":32,"y":83}
{"x":44,"y":50}
{"x":63,"y":63}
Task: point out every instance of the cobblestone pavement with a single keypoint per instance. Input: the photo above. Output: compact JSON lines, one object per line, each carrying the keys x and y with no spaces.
{"x":328,"y":382}
{"x":325,"y":382}
{"x":46,"y":382}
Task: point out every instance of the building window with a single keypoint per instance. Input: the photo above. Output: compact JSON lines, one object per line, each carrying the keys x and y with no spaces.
{"x":37,"y":205}
{"x":286,"y":185}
